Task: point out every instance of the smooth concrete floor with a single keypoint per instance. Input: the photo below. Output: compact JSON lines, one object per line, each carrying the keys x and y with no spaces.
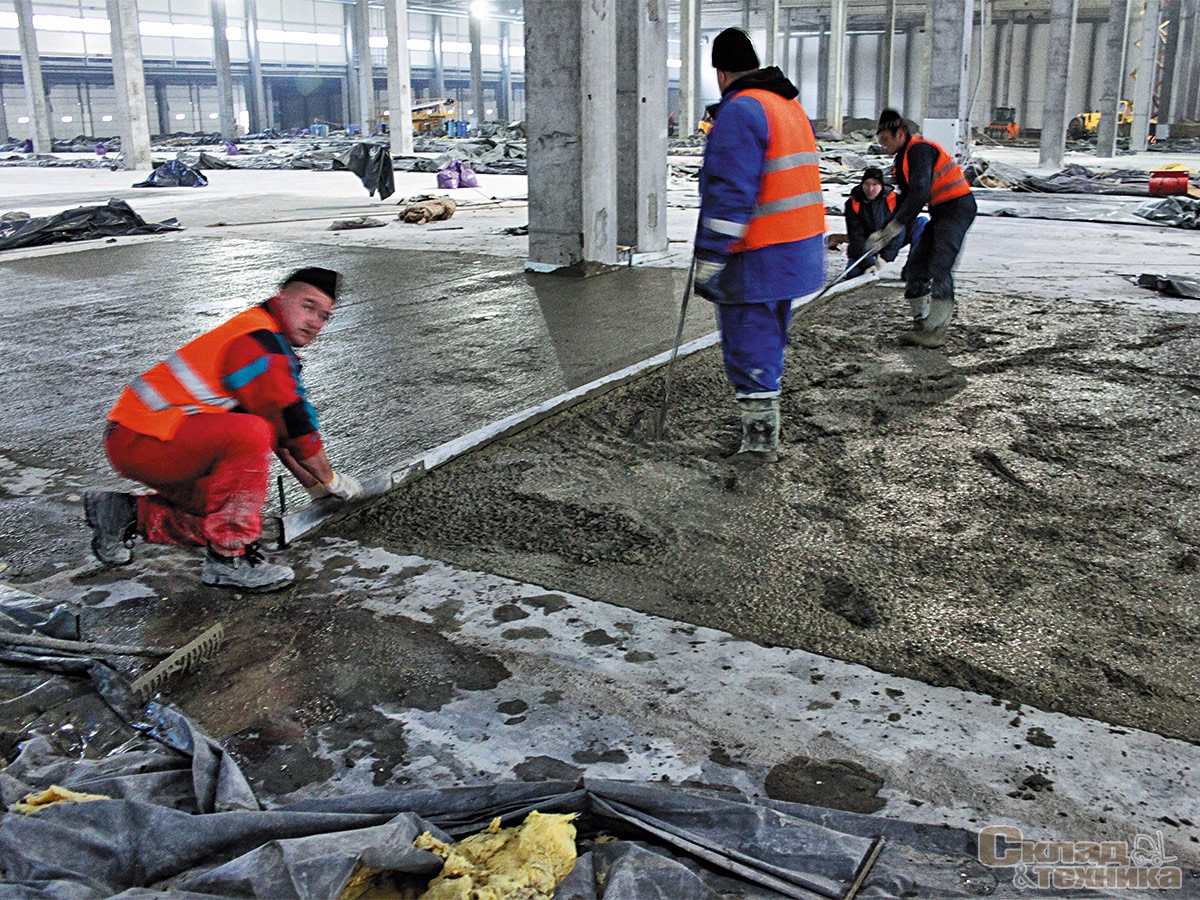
{"x":425,"y":346}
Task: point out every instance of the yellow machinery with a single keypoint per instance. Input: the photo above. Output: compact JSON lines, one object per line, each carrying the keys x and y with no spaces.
{"x":1086,"y":124}
{"x":429,"y":116}
{"x":1003,"y":126}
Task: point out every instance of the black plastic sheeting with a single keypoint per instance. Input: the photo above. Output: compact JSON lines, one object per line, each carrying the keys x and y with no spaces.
{"x":174,"y":174}
{"x":114,"y":219}
{"x":1182,"y":212}
{"x":1171,"y":285}
{"x":372,"y":163}
{"x":183,"y":821}
{"x":1080,"y":180}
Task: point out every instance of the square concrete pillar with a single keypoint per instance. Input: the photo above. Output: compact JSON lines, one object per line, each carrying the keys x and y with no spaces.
{"x":689,"y":63}
{"x":31,"y":69}
{"x":835,"y":78}
{"x":399,"y":77}
{"x":949,"y":76}
{"x":571,"y":125}
{"x":365,"y":74}
{"x":225,"y":111}
{"x":1058,"y":82}
{"x":130,"y":80}
{"x":260,"y":112}
{"x":642,"y":124}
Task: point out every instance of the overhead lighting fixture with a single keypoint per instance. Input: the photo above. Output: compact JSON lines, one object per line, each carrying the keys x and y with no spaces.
{"x":22,"y":120}
{"x":179,"y":117}
{"x":480,"y":8}
{"x":67,"y":119}
{"x":106,"y":118}
{"x":213,"y":115}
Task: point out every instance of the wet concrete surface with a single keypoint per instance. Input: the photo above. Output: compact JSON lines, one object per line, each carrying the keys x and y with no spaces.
{"x":423,"y":347}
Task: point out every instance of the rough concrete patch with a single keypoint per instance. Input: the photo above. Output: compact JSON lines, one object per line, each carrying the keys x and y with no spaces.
{"x":1014,"y":515}
{"x":838,"y":784}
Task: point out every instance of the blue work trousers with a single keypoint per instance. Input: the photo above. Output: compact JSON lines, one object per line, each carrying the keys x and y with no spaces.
{"x":753,"y":337}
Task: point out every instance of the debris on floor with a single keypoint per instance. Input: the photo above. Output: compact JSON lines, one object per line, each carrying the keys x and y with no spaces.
{"x":116,"y":218}
{"x":435,"y":209}
{"x":356,"y":223}
{"x":174,"y":174}
{"x":528,"y":860}
{"x":1171,"y":285}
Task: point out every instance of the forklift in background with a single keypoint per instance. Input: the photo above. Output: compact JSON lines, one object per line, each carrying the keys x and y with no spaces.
{"x":1085,"y":125}
{"x":1003,"y":126}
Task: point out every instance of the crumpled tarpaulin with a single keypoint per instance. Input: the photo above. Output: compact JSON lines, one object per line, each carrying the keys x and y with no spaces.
{"x":114,"y":219}
{"x":1182,"y":212}
{"x":1171,"y":285}
{"x":175,"y":173}
{"x":372,"y":163}
{"x":1080,"y":180}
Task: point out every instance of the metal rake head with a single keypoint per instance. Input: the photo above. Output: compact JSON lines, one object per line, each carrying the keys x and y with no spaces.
{"x":185,"y":659}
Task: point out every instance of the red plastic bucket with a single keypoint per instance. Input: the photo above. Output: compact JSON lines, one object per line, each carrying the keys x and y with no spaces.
{"x":1170,"y":183}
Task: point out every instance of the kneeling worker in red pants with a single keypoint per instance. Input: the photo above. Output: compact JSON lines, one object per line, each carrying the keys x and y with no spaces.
{"x":200,"y":428}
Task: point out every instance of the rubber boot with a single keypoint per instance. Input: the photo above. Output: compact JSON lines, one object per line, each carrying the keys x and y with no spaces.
{"x":933,"y":331}
{"x":760,"y":430}
{"x":250,"y":572}
{"x":113,"y":518}
{"x":919,"y":307}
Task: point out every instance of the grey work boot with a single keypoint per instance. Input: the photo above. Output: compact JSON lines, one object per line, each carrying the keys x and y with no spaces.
{"x":760,"y":430}
{"x":113,"y":518}
{"x":251,"y":573}
{"x":933,"y":330}
{"x":919,"y":307}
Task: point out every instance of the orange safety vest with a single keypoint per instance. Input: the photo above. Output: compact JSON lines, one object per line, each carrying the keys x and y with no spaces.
{"x":790,"y":204}
{"x":948,"y":179}
{"x":891,"y":203}
{"x":188,"y":383}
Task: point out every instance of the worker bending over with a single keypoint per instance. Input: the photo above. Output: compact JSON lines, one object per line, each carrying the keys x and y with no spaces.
{"x":925,"y":173}
{"x":870,"y":206}
{"x":200,"y":428}
{"x":760,"y":242}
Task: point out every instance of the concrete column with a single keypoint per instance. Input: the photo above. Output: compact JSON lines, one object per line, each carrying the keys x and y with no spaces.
{"x":911,"y":35}
{"x":887,"y":54}
{"x":1167,"y":90}
{"x":475,"y":29}
{"x":850,"y":91}
{"x":642,"y":124}
{"x":571,"y":121}
{"x":504,"y":101}
{"x":399,"y":77}
{"x":785,"y":44}
{"x":689,"y":35}
{"x":269,"y":96}
{"x":4,"y":132}
{"x":945,"y":119}
{"x":130,"y":81}
{"x":260,"y":113}
{"x":366,"y":70}
{"x":926,"y":62}
{"x":439,"y":69}
{"x":1058,"y":82}
{"x":1190,"y":68}
{"x":822,"y":110}
{"x":221,"y":63}
{"x":162,"y":106}
{"x":31,"y":69}
{"x":836,"y":70}
{"x":1147,"y":78}
{"x":982,"y":75}
{"x":746,"y":15}
{"x":770,"y":57}
{"x":1114,"y":78}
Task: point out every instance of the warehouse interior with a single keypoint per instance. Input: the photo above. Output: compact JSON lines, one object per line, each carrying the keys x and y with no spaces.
{"x":944,"y":647}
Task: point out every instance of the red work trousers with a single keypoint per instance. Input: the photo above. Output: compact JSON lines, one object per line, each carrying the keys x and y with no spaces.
{"x":210,"y":479}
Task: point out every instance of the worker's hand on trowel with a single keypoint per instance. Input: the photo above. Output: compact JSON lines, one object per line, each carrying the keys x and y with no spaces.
{"x":344,"y":487}
{"x":884,"y":236}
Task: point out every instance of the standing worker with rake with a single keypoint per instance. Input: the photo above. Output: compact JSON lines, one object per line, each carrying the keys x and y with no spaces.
{"x":760,"y":243}
{"x":926,"y":173}
{"x":200,"y":429}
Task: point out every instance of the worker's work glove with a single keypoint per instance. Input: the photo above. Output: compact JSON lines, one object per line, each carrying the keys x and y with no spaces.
{"x":884,"y":236}
{"x":344,"y":487}
{"x":317,"y":491}
{"x":878,"y":265}
{"x":708,"y":279}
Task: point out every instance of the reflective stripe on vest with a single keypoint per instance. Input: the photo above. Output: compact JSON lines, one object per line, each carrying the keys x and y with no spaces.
{"x":790,"y":206}
{"x":948,"y":179}
{"x":891,"y":203}
{"x":188,"y":383}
